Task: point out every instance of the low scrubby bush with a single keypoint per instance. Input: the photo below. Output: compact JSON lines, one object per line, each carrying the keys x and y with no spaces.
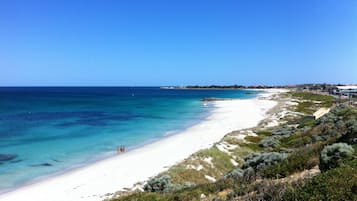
{"x":332,"y":155}
{"x":351,"y":136}
{"x":163,"y":184}
{"x":306,"y":121}
{"x":159,"y":184}
{"x":260,"y":160}
{"x":334,"y":115}
{"x":268,"y":190}
{"x":254,"y":139}
{"x":177,"y":187}
{"x":272,"y":141}
{"x":352,"y":126}
{"x":188,"y":185}
{"x":296,"y":141}
{"x":284,"y":131}
{"x":335,"y":184}
{"x":234,"y":174}
{"x":330,"y":117}
{"x":142,"y":196}
{"x":249,"y":174}
{"x":302,"y":159}
{"x":264,"y":132}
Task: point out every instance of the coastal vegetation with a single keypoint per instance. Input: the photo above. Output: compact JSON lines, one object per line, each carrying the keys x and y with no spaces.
{"x":301,"y":158}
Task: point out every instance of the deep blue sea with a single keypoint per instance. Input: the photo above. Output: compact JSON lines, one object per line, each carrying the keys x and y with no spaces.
{"x":47,"y":130}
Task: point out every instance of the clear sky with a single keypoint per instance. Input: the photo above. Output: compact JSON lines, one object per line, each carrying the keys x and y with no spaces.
{"x":167,"y":42}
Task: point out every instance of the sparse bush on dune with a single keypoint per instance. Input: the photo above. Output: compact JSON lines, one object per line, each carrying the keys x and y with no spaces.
{"x":335,"y":184}
{"x":264,"y":132}
{"x":351,"y":135}
{"x":330,"y":117}
{"x":306,"y":121}
{"x":352,"y":126}
{"x":160,"y":184}
{"x":163,"y":184}
{"x":302,"y":159}
{"x":341,"y":110}
{"x":259,"y":160}
{"x":235,"y":174}
{"x":284,"y":131}
{"x":332,"y":155}
{"x":253,"y":139}
{"x":268,"y":190}
{"x":337,"y":113}
{"x":238,"y":174}
{"x":329,"y":131}
{"x":249,"y":174}
{"x":272,"y":141}
{"x":188,"y":185}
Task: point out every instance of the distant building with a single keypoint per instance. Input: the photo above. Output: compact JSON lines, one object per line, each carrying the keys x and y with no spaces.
{"x":348,"y":90}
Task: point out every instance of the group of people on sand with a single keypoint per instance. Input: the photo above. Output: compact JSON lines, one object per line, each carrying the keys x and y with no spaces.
{"x":120,"y":149}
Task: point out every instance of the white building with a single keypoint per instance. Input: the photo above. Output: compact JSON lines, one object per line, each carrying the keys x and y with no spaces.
{"x":348,"y":90}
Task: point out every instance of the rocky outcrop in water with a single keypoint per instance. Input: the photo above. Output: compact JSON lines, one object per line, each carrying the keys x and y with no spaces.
{"x":7,"y":157}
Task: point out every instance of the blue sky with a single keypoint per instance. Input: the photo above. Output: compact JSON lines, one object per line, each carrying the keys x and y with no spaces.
{"x":151,"y":43}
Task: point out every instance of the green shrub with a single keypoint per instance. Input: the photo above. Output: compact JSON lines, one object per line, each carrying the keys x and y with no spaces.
{"x":160,"y":184}
{"x":264,"y":132}
{"x":251,"y":146}
{"x":249,"y":174}
{"x":235,"y":174}
{"x":308,"y":121}
{"x":177,"y":187}
{"x":352,"y":126}
{"x":335,"y":184}
{"x":272,"y":141}
{"x":241,"y":175}
{"x":260,"y":160}
{"x":188,"y":185}
{"x":267,"y":189}
{"x":351,"y":136}
{"x":305,"y":107}
{"x":139,"y":196}
{"x":296,"y":141}
{"x":332,"y":155}
{"x":284,"y":131}
{"x":302,"y":159}
{"x":344,"y":110}
{"x":254,"y":139}
{"x":337,"y":113}
{"x":330,"y":117}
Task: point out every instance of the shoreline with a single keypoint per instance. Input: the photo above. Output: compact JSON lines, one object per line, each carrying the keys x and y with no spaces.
{"x":108,"y":155}
{"x":102,"y":178}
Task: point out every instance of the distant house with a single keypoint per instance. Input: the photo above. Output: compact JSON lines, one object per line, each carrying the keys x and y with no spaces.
{"x":348,"y":90}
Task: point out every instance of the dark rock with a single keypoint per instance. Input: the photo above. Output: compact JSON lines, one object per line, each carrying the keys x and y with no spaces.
{"x":7,"y":157}
{"x":41,"y":164}
{"x":16,"y":161}
{"x":58,"y":161}
{"x":215,"y":99}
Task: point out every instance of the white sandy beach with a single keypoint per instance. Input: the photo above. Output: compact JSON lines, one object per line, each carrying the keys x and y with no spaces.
{"x":93,"y":182}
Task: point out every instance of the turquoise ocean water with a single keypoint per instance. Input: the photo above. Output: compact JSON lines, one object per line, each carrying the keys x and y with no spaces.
{"x":48,"y":130}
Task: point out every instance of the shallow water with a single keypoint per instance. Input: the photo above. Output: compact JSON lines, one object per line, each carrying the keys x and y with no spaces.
{"x":47,"y":130}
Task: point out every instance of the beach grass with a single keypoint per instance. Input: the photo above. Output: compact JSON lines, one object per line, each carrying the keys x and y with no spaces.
{"x":309,"y":102}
